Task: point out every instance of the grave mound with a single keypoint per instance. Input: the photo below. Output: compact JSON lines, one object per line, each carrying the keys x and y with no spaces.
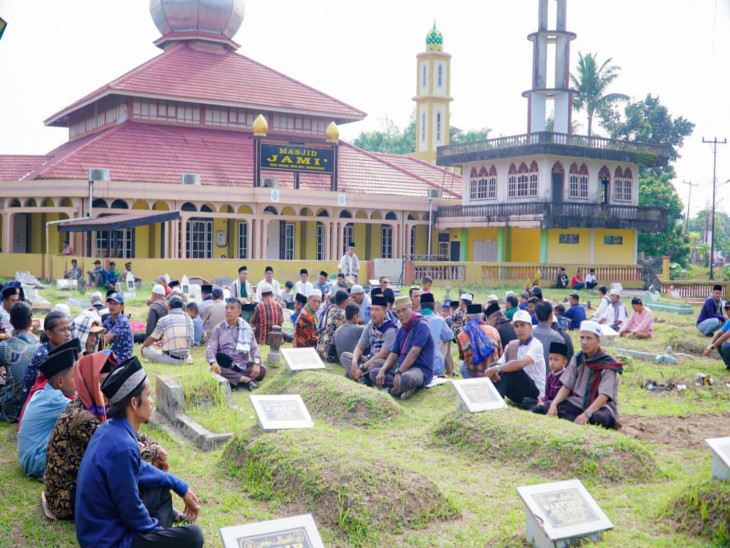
{"x":702,"y":511}
{"x":338,"y":400}
{"x":556,"y":448}
{"x":350,"y":490}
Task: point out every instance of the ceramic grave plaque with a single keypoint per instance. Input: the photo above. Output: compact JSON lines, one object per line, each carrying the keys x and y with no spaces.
{"x":477,"y":395}
{"x":280,"y":412}
{"x":720,"y":448}
{"x":559,"y":512}
{"x":300,"y":359}
{"x":294,"y":532}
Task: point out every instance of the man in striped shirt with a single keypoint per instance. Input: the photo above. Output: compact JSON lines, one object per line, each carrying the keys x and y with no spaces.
{"x":267,"y":314}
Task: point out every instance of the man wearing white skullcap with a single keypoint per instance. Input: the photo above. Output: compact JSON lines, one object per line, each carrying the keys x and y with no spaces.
{"x":590,"y":383}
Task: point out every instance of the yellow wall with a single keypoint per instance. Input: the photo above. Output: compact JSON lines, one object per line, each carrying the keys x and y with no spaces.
{"x":613,"y":254}
{"x":360,"y":233}
{"x":571,"y":253}
{"x":524,"y":245}
{"x":479,"y":235}
{"x":218,"y":225}
{"x":421,"y":240}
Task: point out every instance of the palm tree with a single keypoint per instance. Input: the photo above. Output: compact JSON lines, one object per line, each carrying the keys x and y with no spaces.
{"x":591,"y":83}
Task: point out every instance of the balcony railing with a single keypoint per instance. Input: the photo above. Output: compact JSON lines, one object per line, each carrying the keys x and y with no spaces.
{"x":564,"y":215}
{"x":546,"y":140}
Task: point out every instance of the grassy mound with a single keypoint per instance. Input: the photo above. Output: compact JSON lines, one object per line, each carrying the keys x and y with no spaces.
{"x":704,"y":511}
{"x":350,"y":490}
{"x":555,"y":447}
{"x":338,"y":400}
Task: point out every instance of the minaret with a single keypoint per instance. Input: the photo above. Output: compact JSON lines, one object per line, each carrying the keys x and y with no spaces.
{"x":433,"y":85}
{"x":555,"y":87}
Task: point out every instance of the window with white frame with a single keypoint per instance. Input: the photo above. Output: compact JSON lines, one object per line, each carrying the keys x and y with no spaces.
{"x":320,"y":242}
{"x":348,"y":235}
{"x":386,"y":245}
{"x":578,"y":182}
{"x":492,"y":188}
{"x":115,"y":243}
{"x":618,"y":189}
{"x":243,"y":240}
{"x":199,"y":239}
{"x":512,"y":186}
{"x":628,"y":184}
{"x":522,"y":186}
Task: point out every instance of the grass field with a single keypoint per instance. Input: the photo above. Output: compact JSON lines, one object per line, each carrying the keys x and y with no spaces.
{"x":375,"y":471}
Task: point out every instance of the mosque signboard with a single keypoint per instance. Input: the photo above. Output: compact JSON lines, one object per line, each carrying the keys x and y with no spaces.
{"x":284,"y":156}
{"x":296,"y":531}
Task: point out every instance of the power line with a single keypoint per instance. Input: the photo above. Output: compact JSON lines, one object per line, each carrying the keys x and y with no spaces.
{"x":714,"y":144}
{"x":689,"y":199}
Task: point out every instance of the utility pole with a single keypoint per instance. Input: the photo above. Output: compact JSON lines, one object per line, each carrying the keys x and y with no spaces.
{"x":714,"y":144}
{"x":689,"y":200}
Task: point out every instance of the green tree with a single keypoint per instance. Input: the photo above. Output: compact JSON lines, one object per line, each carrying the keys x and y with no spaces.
{"x":659,"y":192}
{"x":457,"y":135}
{"x":702,"y":222}
{"x":592,"y":81}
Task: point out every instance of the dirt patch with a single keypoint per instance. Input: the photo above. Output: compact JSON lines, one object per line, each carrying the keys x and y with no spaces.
{"x":702,"y":512}
{"x":679,"y":432}
{"x":694,"y":348}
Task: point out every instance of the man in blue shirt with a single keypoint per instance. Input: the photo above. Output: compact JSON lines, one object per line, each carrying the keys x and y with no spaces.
{"x":576,"y":313}
{"x":122,"y":500}
{"x":413,"y":349}
{"x":710,"y":317}
{"x":16,"y":353}
{"x":118,"y":338}
{"x":323,"y":285}
{"x":111,"y":275}
{"x":721,"y":340}
{"x":440,"y":331}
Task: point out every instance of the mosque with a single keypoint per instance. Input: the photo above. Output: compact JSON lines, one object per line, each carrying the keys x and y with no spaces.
{"x":204,"y":153}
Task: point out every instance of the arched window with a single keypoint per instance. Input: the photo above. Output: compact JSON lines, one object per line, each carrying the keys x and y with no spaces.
{"x":391,"y":216}
{"x":533,"y":179}
{"x":578,"y":181}
{"x":473,"y":183}
{"x":438,"y":126}
{"x":492,"y":184}
{"x":98,"y":202}
{"x":604,"y":178}
{"x":522,"y":181}
{"x":618,"y":184}
{"x":119,"y":204}
{"x":187,"y":206}
{"x":623,"y":185}
{"x":583,"y":181}
{"x":512,"y":181}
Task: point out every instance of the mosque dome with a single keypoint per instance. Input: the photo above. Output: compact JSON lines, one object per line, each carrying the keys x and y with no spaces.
{"x":214,"y":20}
{"x":434,"y":39}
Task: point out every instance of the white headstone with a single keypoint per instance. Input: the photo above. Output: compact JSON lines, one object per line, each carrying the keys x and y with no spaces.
{"x":185,"y":284}
{"x":560,"y":512}
{"x":617,"y":285}
{"x":300,"y":359}
{"x":294,"y":532}
{"x":477,"y":395}
{"x":280,"y":412}
{"x":195,"y":294}
{"x":720,"y":448}
{"x":66,"y":284}
{"x":130,"y":281}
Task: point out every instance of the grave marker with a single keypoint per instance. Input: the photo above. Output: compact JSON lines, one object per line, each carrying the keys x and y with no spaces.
{"x":720,"y":448}
{"x":301,"y":359}
{"x":477,"y":395}
{"x":296,"y":531}
{"x":280,"y":412}
{"x":559,"y":512}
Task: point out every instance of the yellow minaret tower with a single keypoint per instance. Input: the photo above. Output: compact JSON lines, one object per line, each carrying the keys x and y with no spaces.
{"x":432,"y":98}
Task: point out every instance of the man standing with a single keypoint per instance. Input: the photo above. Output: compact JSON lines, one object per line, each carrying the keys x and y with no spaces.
{"x":323,"y":285}
{"x":273,"y":284}
{"x":67,"y":249}
{"x":241,"y":289}
{"x":158,"y":309}
{"x":476,"y":347}
{"x":334,"y":318}
{"x":710,"y":318}
{"x":215,"y":311}
{"x":305,"y":329}
{"x":590,"y":383}
{"x":576,"y":313}
{"x":16,"y":354}
{"x":118,"y":336}
{"x":378,"y":336}
{"x":357,"y":293}
{"x":414,"y":293}
{"x":439,"y":331}
{"x":267,"y":313}
{"x":413,"y":351}
{"x":232,"y":351}
{"x":520,"y":372}
{"x":176,"y":332}
{"x":349,"y":263}
{"x":348,"y":335}
{"x":543,"y":331}
{"x":122,"y":500}
{"x":303,"y":286}
{"x":641,"y":322}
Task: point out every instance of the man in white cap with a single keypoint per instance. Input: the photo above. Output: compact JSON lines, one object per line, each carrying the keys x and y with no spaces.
{"x":520,"y":371}
{"x":305,"y":330}
{"x":590,"y":383}
{"x":267,"y":313}
{"x":357,"y":296}
{"x":615,"y":314}
{"x":158,"y":309}
{"x":97,"y":301}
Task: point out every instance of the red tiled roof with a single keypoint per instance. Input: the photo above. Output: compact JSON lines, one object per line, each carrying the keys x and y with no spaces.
{"x":159,"y":154}
{"x":185,"y":73}
{"x":442,"y":178}
{"x":13,"y":168}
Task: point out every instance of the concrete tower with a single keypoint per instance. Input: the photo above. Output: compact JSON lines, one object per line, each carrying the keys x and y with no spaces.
{"x":433,"y":85}
{"x":546,"y":86}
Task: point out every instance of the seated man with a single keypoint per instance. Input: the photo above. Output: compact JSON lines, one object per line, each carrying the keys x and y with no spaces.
{"x":342,"y":283}
{"x":357,"y":294}
{"x":43,"y":409}
{"x":576,"y":313}
{"x":720,"y":340}
{"x":511,"y":306}
{"x":214,"y":313}
{"x":96,"y":276}
{"x":128,"y":269}
{"x":303,"y":286}
{"x":374,"y":345}
{"x":305,"y":329}
{"x":520,"y":372}
{"x":641,"y":323}
{"x":74,"y":429}
{"x":323,"y":285}
{"x":476,"y":347}
{"x":192,"y":309}
{"x":16,"y":354}
{"x":590,"y":383}
{"x":615,"y":314}
{"x":159,"y":308}
{"x":504,"y":327}
{"x":591,"y":281}
{"x":122,"y":500}
{"x":348,"y":334}
{"x":177,"y":335}
{"x":232,"y":350}
{"x":334,"y":318}
{"x":74,"y":273}
{"x":287,"y":296}
{"x":412,"y":349}
{"x":562,"y":279}
{"x":557,"y":362}
{"x":440,"y":332}
{"x":603,"y":305}
{"x":268,"y":313}
{"x":710,"y":318}
{"x":118,"y":337}
{"x":111,"y":275}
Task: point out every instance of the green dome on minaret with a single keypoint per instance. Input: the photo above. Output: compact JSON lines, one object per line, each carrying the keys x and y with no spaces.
{"x":434,"y":39}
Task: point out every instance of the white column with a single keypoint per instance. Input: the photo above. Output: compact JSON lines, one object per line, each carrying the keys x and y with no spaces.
{"x":264,"y":236}
{"x":593,"y":238}
{"x":249,"y":238}
{"x":181,"y":251}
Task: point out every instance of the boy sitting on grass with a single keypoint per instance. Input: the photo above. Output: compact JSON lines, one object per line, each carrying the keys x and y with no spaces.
{"x":557,"y":362}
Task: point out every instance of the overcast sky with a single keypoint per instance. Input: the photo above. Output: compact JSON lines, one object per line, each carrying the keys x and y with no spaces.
{"x":56,"y":51}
